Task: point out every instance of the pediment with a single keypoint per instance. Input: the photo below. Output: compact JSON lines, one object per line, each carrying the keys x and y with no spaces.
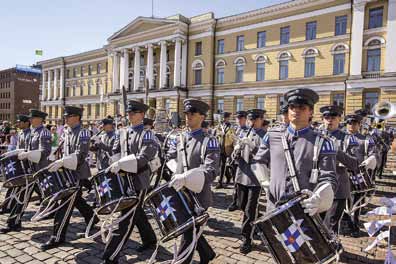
{"x":139,"y":25}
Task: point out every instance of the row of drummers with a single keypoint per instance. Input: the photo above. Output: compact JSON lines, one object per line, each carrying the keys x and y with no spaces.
{"x":303,"y":172}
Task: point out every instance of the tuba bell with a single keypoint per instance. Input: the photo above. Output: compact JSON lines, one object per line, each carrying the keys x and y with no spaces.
{"x":384,"y":110}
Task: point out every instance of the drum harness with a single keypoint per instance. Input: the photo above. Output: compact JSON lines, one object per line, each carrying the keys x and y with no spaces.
{"x":179,"y":258}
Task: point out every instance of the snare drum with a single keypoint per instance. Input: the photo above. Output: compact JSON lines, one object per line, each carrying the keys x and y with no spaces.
{"x":114,"y":192}
{"x":362,"y":181}
{"x":56,"y":185}
{"x":295,"y":237}
{"x":15,"y":171}
{"x":175,"y":212}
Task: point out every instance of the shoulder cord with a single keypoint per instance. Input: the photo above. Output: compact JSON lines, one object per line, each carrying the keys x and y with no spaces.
{"x":315,"y":170}
{"x":290,"y":164}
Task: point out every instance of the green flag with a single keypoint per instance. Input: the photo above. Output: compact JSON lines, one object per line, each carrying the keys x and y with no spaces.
{"x":39,"y":52}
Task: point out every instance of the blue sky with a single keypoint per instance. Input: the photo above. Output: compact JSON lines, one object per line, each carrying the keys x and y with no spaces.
{"x":62,"y":28}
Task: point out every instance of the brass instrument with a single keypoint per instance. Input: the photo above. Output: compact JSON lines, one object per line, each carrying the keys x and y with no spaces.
{"x":384,"y":110}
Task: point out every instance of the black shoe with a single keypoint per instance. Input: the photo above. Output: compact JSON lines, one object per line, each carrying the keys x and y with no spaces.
{"x":149,"y":246}
{"x":14,"y":228}
{"x":246,"y":246}
{"x":108,"y":261}
{"x":52,"y":243}
{"x":233,"y":207}
{"x":208,"y":259}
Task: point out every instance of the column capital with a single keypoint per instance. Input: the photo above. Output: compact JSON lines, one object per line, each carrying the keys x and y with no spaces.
{"x":136,"y":49}
{"x":360,"y":4}
{"x":163,"y":43}
{"x":149,"y":45}
{"x":177,"y":39}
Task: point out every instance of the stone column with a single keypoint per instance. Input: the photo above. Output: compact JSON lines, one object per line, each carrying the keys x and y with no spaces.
{"x":124,"y":70}
{"x":150,"y":66}
{"x":136,"y":69}
{"x":55,"y":84}
{"x":116,"y":72}
{"x":62,"y":82}
{"x":163,"y":60}
{"x":177,"y":68}
{"x":184,"y":65}
{"x":390,"y":62}
{"x":357,"y":38}
{"x":43,"y":85}
{"x":49,"y":94}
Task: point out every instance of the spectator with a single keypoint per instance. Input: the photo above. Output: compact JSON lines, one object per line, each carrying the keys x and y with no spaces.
{"x":54,"y":137}
{"x":13,"y":140}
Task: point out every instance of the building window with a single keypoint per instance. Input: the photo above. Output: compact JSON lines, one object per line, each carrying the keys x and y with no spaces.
{"x":310,"y":30}
{"x":338,"y":64}
{"x":220,"y":106}
{"x":260,"y":102}
{"x":89,"y":88}
{"x":373,"y":60}
{"x":97,"y":88}
{"x":89,"y":69}
{"x":370,"y":99}
{"x":198,"y":77}
{"x":98,"y":68}
{"x":375,"y":17}
{"x":97,"y":110}
{"x":220,"y":75}
{"x":261,"y":39}
{"x":260,"y":71}
{"x":340,"y":25}
{"x":74,"y":72}
{"x":283,"y":69}
{"x":239,"y":104}
{"x":282,"y":101}
{"x":74,"y":90}
{"x":67,"y":74}
{"x":167,"y":105}
{"x":89,"y":110}
{"x":220,"y":46}
{"x":284,"y":35}
{"x":240,"y":45}
{"x":198,"y":48}
{"x":141,"y":60}
{"x":309,"y":67}
{"x":82,"y":71}
{"x":339,"y":99}
{"x":239,"y":69}
{"x":81,"y":90}
{"x":107,"y":67}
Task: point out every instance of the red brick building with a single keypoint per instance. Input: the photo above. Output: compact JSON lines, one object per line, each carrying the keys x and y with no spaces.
{"x":19,"y":91}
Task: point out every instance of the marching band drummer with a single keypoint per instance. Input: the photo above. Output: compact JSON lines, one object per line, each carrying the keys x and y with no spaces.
{"x":346,"y":147}
{"x":133,"y":151}
{"x":248,"y":186}
{"x":366,"y":156}
{"x":103,"y":144}
{"x":13,"y":221}
{"x":315,"y":172}
{"x":199,"y":172}
{"x":75,"y":152}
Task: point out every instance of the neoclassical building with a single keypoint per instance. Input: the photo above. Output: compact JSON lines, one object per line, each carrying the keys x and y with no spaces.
{"x":343,"y":50}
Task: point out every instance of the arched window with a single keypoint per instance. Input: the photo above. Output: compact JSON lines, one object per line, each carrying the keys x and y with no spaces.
{"x":197,"y":68}
{"x":239,"y":69}
{"x":310,"y":52}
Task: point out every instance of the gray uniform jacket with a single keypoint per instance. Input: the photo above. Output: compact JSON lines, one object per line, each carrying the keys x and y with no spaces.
{"x":366,"y":147}
{"x":104,"y":150}
{"x":244,"y":174}
{"x":77,"y":141}
{"x":142,"y":144}
{"x":40,"y":138}
{"x":301,"y":143}
{"x":23,"y":139}
{"x":210,"y":162}
{"x":347,"y":146}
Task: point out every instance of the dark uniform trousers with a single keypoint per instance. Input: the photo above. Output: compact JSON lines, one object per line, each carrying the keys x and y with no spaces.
{"x":204,"y":249}
{"x":62,"y":216}
{"x":331,"y":218}
{"x":248,"y":201}
{"x":121,"y":235}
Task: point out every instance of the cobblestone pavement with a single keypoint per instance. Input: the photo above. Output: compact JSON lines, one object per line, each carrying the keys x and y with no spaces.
{"x":222,"y":233}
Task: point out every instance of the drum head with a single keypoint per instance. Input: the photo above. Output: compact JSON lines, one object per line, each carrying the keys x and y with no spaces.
{"x":18,"y":181}
{"x":200,"y":220}
{"x":60,"y":195}
{"x":118,"y":205}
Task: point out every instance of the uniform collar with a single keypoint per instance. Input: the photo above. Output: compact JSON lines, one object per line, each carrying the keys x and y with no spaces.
{"x":76,"y":127}
{"x":110,"y":133}
{"x":137,"y":127}
{"x":38,"y":128}
{"x":196,"y":132}
{"x":297,"y":133}
{"x":256,"y":130}
{"x":332,"y":133}
{"x":26,"y":130}
{"x":244,"y":127}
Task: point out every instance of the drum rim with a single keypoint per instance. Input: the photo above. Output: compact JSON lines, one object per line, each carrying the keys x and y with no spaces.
{"x":151,"y":194}
{"x":173,"y":233}
{"x":74,"y":189}
{"x":23,"y":175}
{"x":116,"y":201}
{"x":279,"y":209}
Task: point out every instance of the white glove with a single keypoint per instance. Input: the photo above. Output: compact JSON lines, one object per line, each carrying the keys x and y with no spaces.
{"x":23,"y":155}
{"x":70,"y":161}
{"x":114,"y":167}
{"x":370,"y":163}
{"x":34,"y":155}
{"x":248,"y":142}
{"x":193,"y":180}
{"x":178,"y":181}
{"x":56,"y":165}
{"x":319,"y":201}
